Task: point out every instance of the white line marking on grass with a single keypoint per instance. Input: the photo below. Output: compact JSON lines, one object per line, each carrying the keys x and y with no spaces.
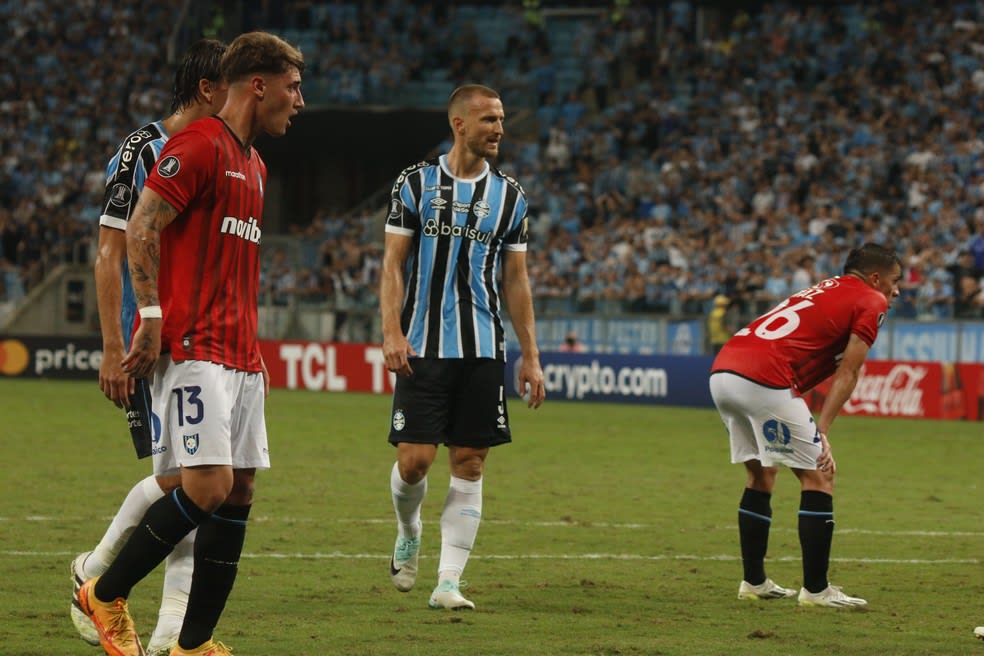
{"x":339,"y":555}
{"x":509,"y":522}
{"x":588,"y":524}
{"x":367,"y":520}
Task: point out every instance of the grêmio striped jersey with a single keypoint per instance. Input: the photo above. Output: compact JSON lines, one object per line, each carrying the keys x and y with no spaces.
{"x":451,"y":305}
{"x":125,"y":177}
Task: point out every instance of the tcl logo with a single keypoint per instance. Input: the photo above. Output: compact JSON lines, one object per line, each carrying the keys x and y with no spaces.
{"x":315,"y":366}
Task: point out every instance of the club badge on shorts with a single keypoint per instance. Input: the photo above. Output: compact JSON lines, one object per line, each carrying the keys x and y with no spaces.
{"x":191,"y":443}
{"x":399,"y":421}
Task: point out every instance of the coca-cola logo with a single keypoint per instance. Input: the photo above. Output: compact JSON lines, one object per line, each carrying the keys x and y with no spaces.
{"x":896,"y":392}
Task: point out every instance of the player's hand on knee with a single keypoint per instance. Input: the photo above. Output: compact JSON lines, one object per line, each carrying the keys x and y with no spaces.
{"x":825,"y":461}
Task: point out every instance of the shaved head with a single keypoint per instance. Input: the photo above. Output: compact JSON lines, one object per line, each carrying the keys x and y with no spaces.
{"x":462,"y":95}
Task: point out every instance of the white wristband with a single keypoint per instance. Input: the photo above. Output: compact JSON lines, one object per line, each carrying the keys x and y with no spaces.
{"x":151,"y":312}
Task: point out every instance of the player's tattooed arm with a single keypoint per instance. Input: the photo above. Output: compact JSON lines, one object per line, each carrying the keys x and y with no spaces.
{"x":143,"y":251}
{"x":143,"y":244}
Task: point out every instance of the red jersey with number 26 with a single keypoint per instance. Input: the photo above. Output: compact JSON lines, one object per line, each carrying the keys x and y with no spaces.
{"x":800,"y":342}
{"x":210,"y":265}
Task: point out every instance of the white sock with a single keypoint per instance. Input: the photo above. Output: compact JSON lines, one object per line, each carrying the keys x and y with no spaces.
{"x":137,"y":501}
{"x":459,"y":526}
{"x":178,"y":568}
{"x":406,"y":501}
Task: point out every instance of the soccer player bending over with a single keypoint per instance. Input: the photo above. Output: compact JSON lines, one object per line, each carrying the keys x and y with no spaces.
{"x":193,"y":252}
{"x":455,"y":223}
{"x":756,"y":381}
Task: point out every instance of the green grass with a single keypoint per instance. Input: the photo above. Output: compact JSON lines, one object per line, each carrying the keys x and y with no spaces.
{"x":608,"y":530}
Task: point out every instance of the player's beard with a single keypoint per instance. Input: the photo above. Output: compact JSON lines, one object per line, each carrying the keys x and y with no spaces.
{"x":484,"y":149}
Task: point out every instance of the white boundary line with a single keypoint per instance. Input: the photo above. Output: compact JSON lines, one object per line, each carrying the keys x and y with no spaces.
{"x":338,"y":555}
{"x":587,"y":524}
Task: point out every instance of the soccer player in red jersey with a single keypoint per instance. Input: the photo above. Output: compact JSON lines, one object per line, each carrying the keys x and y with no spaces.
{"x":756,"y":381}
{"x":193,"y":251}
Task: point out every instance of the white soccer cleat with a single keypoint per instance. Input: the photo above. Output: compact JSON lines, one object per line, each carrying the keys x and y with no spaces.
{"x":447,"y":595}
{"x":85,"y":627}
{"x":768,"y":589}
{"x":403,"y":563}
{"x":160,"y":651}
{"x":830,"y":597}
{"x":979,"y":633}
{"x":161,"y":645}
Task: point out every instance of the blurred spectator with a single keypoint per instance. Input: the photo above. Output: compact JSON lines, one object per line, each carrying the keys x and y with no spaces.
{"x":307,"y":287}
{"x":571,"y":344}
{"x":964,"y":279}
{"x":935,"y":297}
{"x":778,"y":285}
{"x":805,"y":274}
{"x":558,"y":152}
{"x":969,"y":294}
{"x":720,"y":326}
{"x":281,"y":282}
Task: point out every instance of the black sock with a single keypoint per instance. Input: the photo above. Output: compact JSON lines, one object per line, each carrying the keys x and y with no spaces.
{"x":816,"y":532}
{"x":218,"y":545}
{"x":754,"y":520}
{"x":165,"y":523}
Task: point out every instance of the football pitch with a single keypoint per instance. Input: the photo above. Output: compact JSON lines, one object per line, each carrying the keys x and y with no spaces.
{"x":607,"y":530}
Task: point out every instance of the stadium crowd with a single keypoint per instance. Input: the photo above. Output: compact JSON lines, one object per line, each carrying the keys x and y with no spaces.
{"x":668,"y":166}
{"x":78,"y":77}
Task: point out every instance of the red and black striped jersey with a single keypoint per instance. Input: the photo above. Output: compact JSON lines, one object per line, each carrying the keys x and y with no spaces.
{"x":799,"y":343}
{"x":210,"y":265}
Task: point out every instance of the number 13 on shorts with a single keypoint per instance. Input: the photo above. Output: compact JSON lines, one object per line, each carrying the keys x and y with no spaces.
{"x":210,"y":415}
{"x":190,"y":408}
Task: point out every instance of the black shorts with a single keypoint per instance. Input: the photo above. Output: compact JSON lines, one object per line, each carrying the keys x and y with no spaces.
{"x":455,"y":402}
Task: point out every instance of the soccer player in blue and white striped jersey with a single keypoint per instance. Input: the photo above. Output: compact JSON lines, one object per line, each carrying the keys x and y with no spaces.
{"x":456,"y":225}
{"x":198,"y":92}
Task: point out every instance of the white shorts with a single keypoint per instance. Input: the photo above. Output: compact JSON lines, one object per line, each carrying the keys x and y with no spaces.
{"x":773,"y":426}
{"x":206,"y":414}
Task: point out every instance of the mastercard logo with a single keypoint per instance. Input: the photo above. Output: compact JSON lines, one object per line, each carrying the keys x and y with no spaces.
{"x":13,"y":357}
